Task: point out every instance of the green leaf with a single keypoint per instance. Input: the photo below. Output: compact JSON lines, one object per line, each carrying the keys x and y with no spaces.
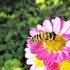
{"x":40,"y":1}
{"x":2,"y":47}
{"x":13,"y":64}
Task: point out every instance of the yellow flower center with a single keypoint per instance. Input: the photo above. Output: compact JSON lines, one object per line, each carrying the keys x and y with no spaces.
{"x":56,"y":44}
{"x":65,"y":65}
{"x":38,"y":63}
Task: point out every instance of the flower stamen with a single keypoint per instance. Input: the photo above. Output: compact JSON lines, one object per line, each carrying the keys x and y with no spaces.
{"x":55,"y":45}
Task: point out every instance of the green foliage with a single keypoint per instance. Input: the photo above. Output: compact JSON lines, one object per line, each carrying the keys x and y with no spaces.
{"x":40,"y":1}
{"x":16,"y":18}
{"x":13,"y":64}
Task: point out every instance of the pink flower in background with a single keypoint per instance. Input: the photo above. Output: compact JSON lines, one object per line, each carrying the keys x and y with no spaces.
{"x":54,"y":51}
{"x":32,"y":60}
{"x":64,"y":65}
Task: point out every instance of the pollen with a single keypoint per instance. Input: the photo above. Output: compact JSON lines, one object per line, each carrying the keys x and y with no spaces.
{"x":65,"y":65}
{"x":55,"y":45}
{"x":38,"y":63}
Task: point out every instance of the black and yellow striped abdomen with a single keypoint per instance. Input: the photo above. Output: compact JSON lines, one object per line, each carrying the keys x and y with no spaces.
{"x":43,"y":36}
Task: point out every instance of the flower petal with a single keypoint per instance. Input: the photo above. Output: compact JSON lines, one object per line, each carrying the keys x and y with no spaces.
{"x":27,"y":50}
{"x":66,"y":36}
{"x":47,"y":25}
{"x":33,"y":67}
{"x":50,"y":59}
{"x":29,"y":61}
{"x":34,"y":31}
{"x":36,"y":49}
{"x":43,"y":55}
{"x":41,"y":28}
{"x":67,"y":53}
{"x":68,"y":31}
{"x":60,"y":57}
{"x":55,"y":66}
{"x":40,"y":68}
{"x":68,"y":43}
{"x":65,"y":28}
{"x":30,"y":43}
{"x":28,"y":53}
{"x":56,"y":24}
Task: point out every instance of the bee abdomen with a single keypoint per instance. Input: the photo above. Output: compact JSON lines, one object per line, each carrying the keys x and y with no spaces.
{"x":44,"y":36}
{"x":36,"y":38}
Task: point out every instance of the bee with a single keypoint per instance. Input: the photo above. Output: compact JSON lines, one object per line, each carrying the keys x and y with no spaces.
{"x":44,"y":36}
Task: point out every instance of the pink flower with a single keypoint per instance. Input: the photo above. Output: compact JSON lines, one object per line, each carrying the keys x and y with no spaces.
{"x":54,"y":51}
{"x":65,"y":65}
{"x":32,"y":60}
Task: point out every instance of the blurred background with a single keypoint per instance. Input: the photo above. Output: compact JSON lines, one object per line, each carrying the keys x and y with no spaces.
{"x":16,"y":18}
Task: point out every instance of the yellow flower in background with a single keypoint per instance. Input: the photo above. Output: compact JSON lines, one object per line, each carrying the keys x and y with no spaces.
{"x":65,"y":65}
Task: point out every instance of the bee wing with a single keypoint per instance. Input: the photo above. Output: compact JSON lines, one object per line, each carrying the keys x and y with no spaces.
{"x":29,"y":37}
